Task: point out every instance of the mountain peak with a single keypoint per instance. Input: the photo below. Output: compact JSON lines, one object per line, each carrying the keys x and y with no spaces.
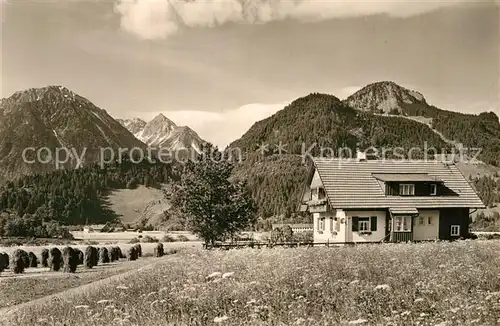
{"x":161,"y":132}
{"x":385,"y":97}
{"x":134,"y":125}
{"x":54,"y":117}
{"x":36,"y":94}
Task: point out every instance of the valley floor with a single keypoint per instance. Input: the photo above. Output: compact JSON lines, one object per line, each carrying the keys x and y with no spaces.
{"x":392,"y":284}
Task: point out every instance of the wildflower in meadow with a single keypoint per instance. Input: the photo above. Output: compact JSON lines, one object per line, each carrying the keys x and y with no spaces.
{"x":253,"y":301}
{"x":220,"y":319}
{"x":385,"y":287}
{"x":358,"y":322}
{"x":82,"y":307}
{"x":214,"y":275}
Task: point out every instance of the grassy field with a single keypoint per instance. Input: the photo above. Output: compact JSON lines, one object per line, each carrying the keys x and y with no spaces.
{"x":120,"y":237}
{"x":391,"y":284}
{"x":36,"y":283}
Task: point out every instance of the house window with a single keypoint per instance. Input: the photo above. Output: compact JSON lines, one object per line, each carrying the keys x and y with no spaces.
{"x":455,"y":230}
{"x":402,"y":223}
{"x":421,"y":220}
{"x":433,"y":189}
{"x":407,"y":189}
{"x":364,"y":224}
{"x":321,"y":224}
{"x":429,"y":220}
{"x":321,"y":193}
{"x":314,"y":193}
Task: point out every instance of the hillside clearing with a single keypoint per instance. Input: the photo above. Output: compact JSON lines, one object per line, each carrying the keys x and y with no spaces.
{"x":131,"y":205}
{"x":390,"y":284}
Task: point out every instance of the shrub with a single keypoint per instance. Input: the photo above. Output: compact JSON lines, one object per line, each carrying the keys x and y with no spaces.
{"x":90,"y":257}
{"x":55,"y":259}
{"x":138,"y":248}
{"x":159,"y":251}
{"x":303,"y":237}
{"x":134,"y":240}
{"x":132,"y":183}
{"x":16,"y":261}
{"x":33,"y":260}
{"x":70,"y":257}
{"x":182,"y":238}
{"x":103,"y":255}
{"x":471,"y":236}
{"x":168,"y":238}
{"x":132,"y":253}
{"x":45,"y":258}
{"x":149,"y":239}
{"x":26,"y":259}
{"x":4,"y":261}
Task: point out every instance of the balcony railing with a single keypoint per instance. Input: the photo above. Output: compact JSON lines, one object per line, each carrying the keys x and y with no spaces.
{"x":317,"y":205}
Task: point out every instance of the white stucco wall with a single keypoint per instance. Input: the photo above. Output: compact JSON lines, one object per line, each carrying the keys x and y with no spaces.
{"x":316,"y":180}
{"x":343,"y":231}
{"x":375,"y":235}
{"x":426,"y":231}
{"x":326,"y":235}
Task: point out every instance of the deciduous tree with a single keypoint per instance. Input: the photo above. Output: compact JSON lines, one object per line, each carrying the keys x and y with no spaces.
{"x":213,"y":206}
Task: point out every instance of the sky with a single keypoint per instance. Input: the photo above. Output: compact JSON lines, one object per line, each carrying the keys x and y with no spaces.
{"x":220,"y":66}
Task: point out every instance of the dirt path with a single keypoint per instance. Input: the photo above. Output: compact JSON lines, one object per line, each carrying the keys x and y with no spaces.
{"x":7,"y":312}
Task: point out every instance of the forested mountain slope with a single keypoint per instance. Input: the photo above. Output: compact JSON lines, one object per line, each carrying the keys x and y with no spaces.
{"x":74,"y":196}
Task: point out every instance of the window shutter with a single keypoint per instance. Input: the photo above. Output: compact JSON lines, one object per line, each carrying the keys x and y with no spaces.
{"x":354,"y":223}
{"x":373,"y":221}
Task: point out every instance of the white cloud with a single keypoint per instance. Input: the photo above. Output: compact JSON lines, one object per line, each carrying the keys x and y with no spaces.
{"x":219,"y":128}
{"x":156,"y":19}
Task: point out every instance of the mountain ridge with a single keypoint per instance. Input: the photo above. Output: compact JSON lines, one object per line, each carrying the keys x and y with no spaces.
{"x":53,"y":117}
{"x":161,"y":132}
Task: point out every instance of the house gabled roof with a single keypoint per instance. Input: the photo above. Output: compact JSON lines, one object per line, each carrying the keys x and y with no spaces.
{"x":351,"y":184}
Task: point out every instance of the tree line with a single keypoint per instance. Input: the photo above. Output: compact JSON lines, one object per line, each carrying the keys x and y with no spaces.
{"x":73,"y":196}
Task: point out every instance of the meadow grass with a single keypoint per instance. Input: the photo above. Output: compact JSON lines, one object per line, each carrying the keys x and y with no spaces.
{"x":41,"y":282}
{"x":391,"y":284}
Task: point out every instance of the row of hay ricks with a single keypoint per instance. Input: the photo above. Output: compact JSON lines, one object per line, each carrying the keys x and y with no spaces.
{"x":68,"y":259}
